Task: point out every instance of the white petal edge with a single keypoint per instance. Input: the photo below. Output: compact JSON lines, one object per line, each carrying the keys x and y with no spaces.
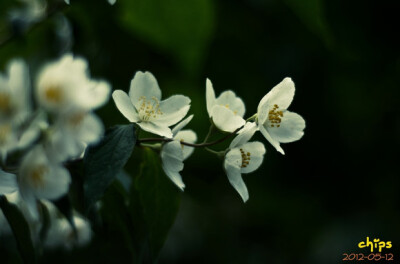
{"x":272,"y":141}
{"x":244,"y":135}
{"x":181,"y":125}
{"x":144,"y":84}
{"x":290,"y":129}
{"x":257,"y":152}
{"x":125,"y":106}
{"x":225,"y":120}
{"x":188,"y":136}
{"x":173,"y":110}
{"x":172,"y":162}
{"x":210,"y":97}
{"x":282,"y":95}
{"x":232,"y":168}
{"x":156,"y":129}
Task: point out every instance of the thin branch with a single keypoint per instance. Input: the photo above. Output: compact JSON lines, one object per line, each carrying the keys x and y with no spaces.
{"x":200,"y":145}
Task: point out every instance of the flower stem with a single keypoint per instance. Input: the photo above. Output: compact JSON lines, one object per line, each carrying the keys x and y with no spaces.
{"x":200,"y":145}
{"x":210,"y":131}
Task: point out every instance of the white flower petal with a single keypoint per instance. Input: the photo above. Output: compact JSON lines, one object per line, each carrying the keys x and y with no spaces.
{"x":188,"y":136}
{"x":290,"y":129}
{"x":232,"y":164}
{"x":281,"y":95}
{"x":271,"y":140}
{"x":210,"y":97}
{"x":181,"y":125}
{"x":173,"y":110}
{"x":144,"y":84}
{"x":232,"y":102}
{"x":257,"y":151}
{"x":96,"y":94}
{"x":55,"y":183}
{"x":225,"y":120}
{"x":244,"y":135}
{"x":156,"y":129}
{"x":8,"y":182}
{"x":125,"y":106}
{"x":172,"y":162}
{"x":91,"y":129}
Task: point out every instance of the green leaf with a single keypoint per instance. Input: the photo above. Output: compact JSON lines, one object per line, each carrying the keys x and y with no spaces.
{"x":20,"y":229}
{"x":180,"y":28}
{"x":155,"y":203}
{"x":311,"y":13}
{"x":105,"y":160}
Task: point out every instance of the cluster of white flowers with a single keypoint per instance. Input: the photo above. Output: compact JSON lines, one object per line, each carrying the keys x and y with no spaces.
{"x":54,"y":132}
{"x":144,"y":107}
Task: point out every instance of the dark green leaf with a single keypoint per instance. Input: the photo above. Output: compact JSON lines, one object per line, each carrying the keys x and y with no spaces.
{"x":20,"y":229}
{"x":155,"y":203}
{"x":105,"y":160}
{"x":178,"y":27}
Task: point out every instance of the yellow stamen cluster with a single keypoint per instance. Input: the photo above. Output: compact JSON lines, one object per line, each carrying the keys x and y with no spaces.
{"x":149,"y":108}
{"x":54,"y":94}
{"x":245,"y":158}
{"x":4,"y":102}
{"x":37,"y":175}
{"x":4,"y":132}
{"x":275,"y":116}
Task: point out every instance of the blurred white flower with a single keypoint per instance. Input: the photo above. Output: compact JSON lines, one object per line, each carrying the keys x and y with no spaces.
{"x":71,"y":133}
{"x":41,"y":178}
{"x":61,"y":234}
{"x":243,"y":157}
{"x":277,"y":124}
{"x":64,"y":85}
{"x":15,"y":103}
{"x":174,"y":153}
{"x":144,"y":107}
{"x":226,"y":111}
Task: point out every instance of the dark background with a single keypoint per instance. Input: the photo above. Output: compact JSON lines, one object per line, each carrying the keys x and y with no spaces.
{"x":332,"y":189}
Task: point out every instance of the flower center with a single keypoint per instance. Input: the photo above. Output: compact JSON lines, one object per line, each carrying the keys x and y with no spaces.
{"x":227,"y":106}
{"x":4,"y":132}
{"x":245,"y":158}
{"x":149,"y":109}
{"x":4,"y":102}
{"x":37,"y":174}
{"x":274,"y":116}
{"x":54,"y":94}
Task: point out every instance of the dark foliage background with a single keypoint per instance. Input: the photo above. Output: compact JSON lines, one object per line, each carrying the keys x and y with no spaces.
{"x":332,"y":189}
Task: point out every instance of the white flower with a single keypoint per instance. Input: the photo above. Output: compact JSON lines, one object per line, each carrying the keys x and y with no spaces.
{"x":226,"y":111}
{"x":61,"y":234}
{"x":277,"y":124}
{"x":71,"y":133}
{"x":40,"y":178}
{"x":64,"y":85}
{"x":174,"y":153}
{"x":15,"y":103}
{"x":243,"y":157}
{"x":144,"y":107}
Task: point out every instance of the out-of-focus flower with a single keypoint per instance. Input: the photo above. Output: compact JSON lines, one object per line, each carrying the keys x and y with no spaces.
{"x":243,"y":157}
{"x":61,"y":234}
{"x":8,"y":182}
{"x":144,"y":107}
{"x":15,"y":103}
{"x":277,"y":124}
{"x":65,"y":85}
{"x":111,"y":2}
{"x":41,"y":178}
{"x":174,"y":153}
{"x":226,"y":111}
